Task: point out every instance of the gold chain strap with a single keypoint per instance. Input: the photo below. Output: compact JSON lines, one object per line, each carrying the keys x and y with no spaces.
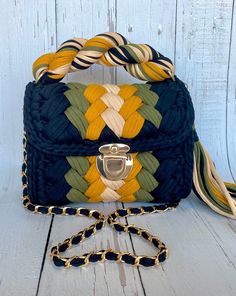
{"x":102,"y":255}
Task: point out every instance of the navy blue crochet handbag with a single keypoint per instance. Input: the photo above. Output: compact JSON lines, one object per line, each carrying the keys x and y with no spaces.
{"x":106,"y":143}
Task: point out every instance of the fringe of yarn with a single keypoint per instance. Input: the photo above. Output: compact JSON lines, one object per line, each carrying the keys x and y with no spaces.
{"x":208,"y":186}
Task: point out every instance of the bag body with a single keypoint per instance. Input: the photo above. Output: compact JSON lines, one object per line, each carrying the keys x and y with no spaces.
{"x":69,"y":122}
{"x":105,"y":143}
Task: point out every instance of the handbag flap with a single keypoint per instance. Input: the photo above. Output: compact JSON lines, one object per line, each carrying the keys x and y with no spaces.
{"x":76,"y":119}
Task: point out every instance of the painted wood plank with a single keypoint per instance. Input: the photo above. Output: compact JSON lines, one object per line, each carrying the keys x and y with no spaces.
{"x":150,"y":22}
{"x":222,"y":229}
{"x":201,"y":244}
{"x":86,"y":19}
{"x":107,"y":278}
{"x":202,"y":52}
{"x":27,"y":29}
{"x":23,"y":237}
{"x":231,"y":99}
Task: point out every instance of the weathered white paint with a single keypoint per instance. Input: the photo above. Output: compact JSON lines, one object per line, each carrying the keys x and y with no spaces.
{"x":202,"y":53}
{"x":26,"y":31}
{"x":231,"y":99}
{"x":23,"y":236}
{"x":86,"y":19}
{"x":202,"y":253}
{"x":147,"y":22}
{"x":200,"y":37}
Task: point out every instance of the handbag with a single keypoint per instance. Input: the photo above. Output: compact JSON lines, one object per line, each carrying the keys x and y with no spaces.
{"x":106,"y":143}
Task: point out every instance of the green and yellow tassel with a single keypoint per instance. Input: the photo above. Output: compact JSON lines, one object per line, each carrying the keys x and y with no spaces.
{"x":208,"y":186}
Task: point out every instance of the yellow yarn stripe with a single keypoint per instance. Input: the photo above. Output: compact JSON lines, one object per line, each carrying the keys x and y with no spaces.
{"x":125,"y":122}
{"x":79,"y":53}
{"x":97,"y":187}
{"x":219,"y":195}
{"x":122,"y":108}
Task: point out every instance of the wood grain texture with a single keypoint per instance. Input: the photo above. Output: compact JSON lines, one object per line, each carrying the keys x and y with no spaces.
{"x":23,"y":236}
{"x":200,"y":36}
{"x":26,"y":31}
{"x":231,"y":99}
{"x":201,"y":246}
{"x":151,"y":22}
{"x":86,"y":19}
{"x":202,"y":52}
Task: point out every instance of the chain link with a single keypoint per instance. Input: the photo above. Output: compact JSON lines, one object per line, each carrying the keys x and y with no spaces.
{"x":102,"y":255}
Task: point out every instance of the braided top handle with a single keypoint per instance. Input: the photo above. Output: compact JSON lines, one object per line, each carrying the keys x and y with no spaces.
{"x":108,"y":49}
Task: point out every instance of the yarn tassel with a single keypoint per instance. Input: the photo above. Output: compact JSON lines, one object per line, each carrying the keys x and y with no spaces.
{"x":208,"y":186}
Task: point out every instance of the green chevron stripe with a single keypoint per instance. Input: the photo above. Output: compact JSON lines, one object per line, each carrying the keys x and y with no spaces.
{"x":76,"y":117}
{"x":146,"y":180}
{"x":76,"y":181}
{"x":79,"y":163}
{"x":75,"y":96}
{"x":148,"y":161}
{"x":75,"y":195}
{"x":142,"y":195}
{"x":151,"y":114}
{"x":148,"y":97}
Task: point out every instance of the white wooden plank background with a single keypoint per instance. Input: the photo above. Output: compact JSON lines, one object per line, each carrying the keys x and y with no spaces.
{"x":200,"y":36}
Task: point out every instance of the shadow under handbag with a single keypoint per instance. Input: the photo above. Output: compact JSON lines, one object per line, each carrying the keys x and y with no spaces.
{"x":101,"y":143}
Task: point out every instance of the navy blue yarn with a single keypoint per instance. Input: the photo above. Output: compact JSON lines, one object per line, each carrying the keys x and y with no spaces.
{"x":52,"y":137}
{"x":43,"y":125}
{"x":46,"y":182}
{"x":175,"y":172}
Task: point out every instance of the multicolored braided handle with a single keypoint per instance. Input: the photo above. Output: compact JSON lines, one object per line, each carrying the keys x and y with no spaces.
{"x":108,"y":49}
{"x":143,"y":62}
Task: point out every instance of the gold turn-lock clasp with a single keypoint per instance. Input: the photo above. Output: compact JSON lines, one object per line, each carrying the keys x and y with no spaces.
{"x":114,"y":163}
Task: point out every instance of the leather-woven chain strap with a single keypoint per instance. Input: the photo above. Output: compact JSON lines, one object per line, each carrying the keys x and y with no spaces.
{"x":108,"y":49}
{"x":108,"y":254}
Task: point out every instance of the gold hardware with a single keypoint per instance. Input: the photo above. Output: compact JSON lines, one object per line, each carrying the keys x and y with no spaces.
{"x":50,"y":210}
{"x":114,"y":163}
